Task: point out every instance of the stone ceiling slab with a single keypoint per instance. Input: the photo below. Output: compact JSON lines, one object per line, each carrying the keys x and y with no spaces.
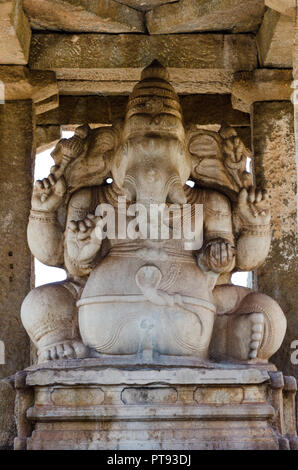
{"x":100,"y":63}
{"x":106,"y":16}
{"x":206,"y":15}
{"x":15,"y":34}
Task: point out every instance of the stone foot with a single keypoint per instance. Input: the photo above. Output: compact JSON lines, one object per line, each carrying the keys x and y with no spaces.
{"x":246,"y":337}
{"x":249,"y":326}
{"x":70,"y":349}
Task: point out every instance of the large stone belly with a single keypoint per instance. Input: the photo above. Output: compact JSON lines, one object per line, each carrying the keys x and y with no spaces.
{"x":130,"y":306}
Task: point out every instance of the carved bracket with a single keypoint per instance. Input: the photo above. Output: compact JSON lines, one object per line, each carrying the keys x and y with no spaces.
{"x":21,"y":84}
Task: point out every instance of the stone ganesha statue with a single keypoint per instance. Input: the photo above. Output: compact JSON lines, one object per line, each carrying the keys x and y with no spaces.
{"x":145,"y":298}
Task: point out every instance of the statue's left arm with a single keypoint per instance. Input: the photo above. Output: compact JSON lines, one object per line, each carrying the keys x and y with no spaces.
{"x":252,"y":223}
{"x":218,"y":251}
{"x":81,"y":242}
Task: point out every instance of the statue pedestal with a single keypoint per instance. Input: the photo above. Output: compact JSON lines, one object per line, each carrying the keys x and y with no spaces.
{"x":82,"y":404}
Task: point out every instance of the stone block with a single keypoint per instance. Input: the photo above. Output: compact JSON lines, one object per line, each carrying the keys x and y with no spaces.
{"x":275,"y":40}
{"x":15,"y":33}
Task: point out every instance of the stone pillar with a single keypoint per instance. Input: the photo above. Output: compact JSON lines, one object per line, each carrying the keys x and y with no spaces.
{"x":17,"y":124}
{"x":275,"y":169}
{"x":295,"y":81}
{"x":26,"y":93}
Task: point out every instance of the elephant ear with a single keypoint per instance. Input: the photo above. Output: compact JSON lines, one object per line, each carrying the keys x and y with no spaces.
{"x":90,"y":156}
{"x":219,"y":160}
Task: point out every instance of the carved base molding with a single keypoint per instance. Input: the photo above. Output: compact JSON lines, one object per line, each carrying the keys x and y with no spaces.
{"x":86,"y":405}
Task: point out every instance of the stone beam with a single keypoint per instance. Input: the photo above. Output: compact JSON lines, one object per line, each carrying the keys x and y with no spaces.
{"x":20,"y":83}
{"x":100,"y":63}
{"x":235,"y":16}
{"x":275,"y":40}
{"x":197,"y":109}
{"x":261,"y":85}
{"x":190,"y":81}
{"x":145,"y":5}
{"x":285,"y":7}
{"x":107,"y":16}
{"x":46,"y":105}
{"x":15,"y":33}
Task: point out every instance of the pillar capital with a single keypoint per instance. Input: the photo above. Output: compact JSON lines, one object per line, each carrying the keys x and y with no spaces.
{"x":261,"y":85}
{"x":20,"y":83}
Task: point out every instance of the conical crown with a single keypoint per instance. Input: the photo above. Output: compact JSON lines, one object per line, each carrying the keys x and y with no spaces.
{"x":154,"y":94}
{"x":153,"y":105}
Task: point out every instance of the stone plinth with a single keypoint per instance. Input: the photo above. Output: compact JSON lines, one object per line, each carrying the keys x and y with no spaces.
{"x":86,"y":405}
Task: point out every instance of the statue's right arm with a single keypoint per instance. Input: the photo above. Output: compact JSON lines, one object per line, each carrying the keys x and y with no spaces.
{"x":44,"y":232}
{"x":45,"y":238}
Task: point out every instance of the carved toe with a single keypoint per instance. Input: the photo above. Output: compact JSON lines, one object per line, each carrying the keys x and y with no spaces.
{"x":80,"y":349}
{"x":68,"y":352}
{"x":257,"y":332}
{"x":70,"y":349}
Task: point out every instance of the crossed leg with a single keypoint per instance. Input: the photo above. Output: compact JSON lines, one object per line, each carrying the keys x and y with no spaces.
{"x":249,"y":325}
{"x":49,"y":315}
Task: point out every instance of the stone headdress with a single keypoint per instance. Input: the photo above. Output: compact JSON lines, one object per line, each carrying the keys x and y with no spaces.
{"x":153,"y":106}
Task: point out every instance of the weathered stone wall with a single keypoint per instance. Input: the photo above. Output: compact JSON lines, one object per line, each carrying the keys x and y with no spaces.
{"x":16,"y":137}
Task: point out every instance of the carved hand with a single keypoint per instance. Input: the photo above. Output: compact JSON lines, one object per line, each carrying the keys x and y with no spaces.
{"x":84,"y":241}
{"x":252,"y":208}
{"x":219,"y":255}
{"x":48,"y":194}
